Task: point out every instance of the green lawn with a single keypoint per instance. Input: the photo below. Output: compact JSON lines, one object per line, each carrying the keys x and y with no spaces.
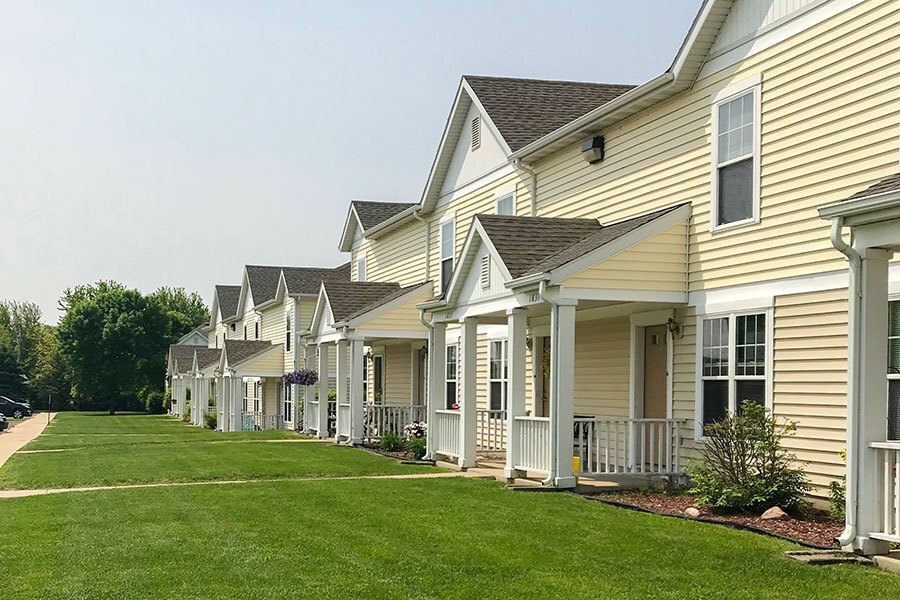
{"x":413,"y":538}
{"x":127,"y":449}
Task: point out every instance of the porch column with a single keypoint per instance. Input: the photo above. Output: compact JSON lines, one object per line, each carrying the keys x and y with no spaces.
{"x":196,"y":395}
{"x":870,"y":345}
{"x":562,"y":391}
{"x":469,"y":388}
{"x":295,"y":406}
{"x":357,"y":394}
{"x":237,"y":399}
{"x":220,"y":403}
{"x":341,"y":388}
{"x":322,"y":417}
{"x":436,"y":394}
{"x":515,"y":395}
{"x":309,"y":390}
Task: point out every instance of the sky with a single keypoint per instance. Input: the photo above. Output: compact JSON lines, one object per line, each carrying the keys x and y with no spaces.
{"x":169,"y":143}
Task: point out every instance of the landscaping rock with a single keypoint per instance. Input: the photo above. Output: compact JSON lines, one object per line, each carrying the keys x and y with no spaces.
{"x":692,"y":511}
{"x":774,"y":513}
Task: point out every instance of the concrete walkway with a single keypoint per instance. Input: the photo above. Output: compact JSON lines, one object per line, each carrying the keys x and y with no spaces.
{"x":21,"y":434}
{"x":26,"y":493}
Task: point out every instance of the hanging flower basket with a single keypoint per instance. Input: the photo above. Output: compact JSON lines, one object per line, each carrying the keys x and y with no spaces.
{"x":305,"y":377}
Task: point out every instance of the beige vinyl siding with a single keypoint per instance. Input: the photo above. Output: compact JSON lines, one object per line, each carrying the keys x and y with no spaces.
{"x":399,"y":256}
{"x":656,"y":264}
{"x":810,"y":379}
{"x":397,"y":374}
{"x":483,"y":377}
{"x":829,"y":127}
{"x":602,"y":358}
{"x":404,"y":317}
{"x":684,"y":374}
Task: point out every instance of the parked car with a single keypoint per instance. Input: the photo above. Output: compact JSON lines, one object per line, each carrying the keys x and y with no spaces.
{"x":4,"y":424}
{"x":16,"y":410}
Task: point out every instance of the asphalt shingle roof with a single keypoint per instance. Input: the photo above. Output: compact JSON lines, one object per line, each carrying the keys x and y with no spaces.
{"x":525,"y":110}
{"x":385,"y":299}
{"x":532,"y":245}
{"x":374,"y":213}
{"x":263,"y":282}
{"x":228,"y":296}
{"x":306,"y":280}
{"x":889,"y":184}
{"x":208,"y":356}
{"x":184,"y":354}
{"x":347,"y":298}
{"x":239,"y":351}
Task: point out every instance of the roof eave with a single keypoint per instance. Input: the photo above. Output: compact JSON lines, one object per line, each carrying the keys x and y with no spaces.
{"x":385,"y":226}
{"x":868,"y":209}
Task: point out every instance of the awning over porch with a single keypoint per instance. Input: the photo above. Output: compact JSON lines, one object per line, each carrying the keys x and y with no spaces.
{"x":252,"y":358}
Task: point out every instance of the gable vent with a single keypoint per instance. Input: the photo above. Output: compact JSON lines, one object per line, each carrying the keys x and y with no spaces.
{"x":486,"y":271}
{"x":476,"y":133}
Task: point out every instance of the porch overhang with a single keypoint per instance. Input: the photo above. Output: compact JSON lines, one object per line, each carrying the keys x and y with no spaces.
{"x":255,"y":362}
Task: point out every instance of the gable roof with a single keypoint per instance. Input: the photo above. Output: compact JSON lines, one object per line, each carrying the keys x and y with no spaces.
{"x":184,"y":355}
{"x":348,"y":298}
{"x":524,"y":110}
{"x":208,"y":356}
{"x":306,"y":280}
{"x":390,"y":297}
{"x":371,"y":213}
{"x":238,"y":351}
{"x":228,"y":296}
{"x":885,"y":186}
{"x":263,"y":282}
{"x":371,"y":217}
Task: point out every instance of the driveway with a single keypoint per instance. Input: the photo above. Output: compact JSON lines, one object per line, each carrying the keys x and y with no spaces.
{"x":13,"y":439}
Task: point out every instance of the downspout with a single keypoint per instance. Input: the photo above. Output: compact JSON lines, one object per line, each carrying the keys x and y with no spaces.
{"x":520,"y":166}
{"x":554,"y":409}
{"x":837,"y":240}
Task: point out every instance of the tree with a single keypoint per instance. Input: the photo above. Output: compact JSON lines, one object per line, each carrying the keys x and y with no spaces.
{"x":23,"y":321}
{"x":184,"y":310}
{"x":50,"y":378}
{"x":113,"y":340}
{"x":12,"y":379}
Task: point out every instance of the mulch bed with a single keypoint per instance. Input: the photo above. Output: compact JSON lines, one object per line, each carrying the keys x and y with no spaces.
{"x":814,"y":527}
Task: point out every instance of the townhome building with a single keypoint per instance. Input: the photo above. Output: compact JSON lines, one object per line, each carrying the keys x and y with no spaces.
{"x":613,"y":267}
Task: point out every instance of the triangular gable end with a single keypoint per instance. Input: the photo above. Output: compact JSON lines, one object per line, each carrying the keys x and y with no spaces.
{"x":353,"y":229}
{"x":468,"y":281}
{"x":320,"y":324}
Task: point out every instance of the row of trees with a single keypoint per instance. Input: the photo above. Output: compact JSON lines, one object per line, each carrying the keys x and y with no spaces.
{"x":109,"y":347}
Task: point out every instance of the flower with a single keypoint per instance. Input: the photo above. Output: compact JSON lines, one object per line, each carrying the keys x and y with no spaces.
{"x":416,"y":429}
{"x":301,"y":377}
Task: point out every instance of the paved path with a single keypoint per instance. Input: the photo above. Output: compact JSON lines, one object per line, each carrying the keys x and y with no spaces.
{"x":44,"y":492}
{"x":21,"y":434}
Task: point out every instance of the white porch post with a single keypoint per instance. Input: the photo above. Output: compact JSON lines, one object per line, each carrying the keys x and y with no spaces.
{"x":196,"y":394}
{"x":181,"y":396}
{"x":322,"y":417}
{"x":871,"y":344}
{"x":469,"y":401}
{"x":515,"y":395}
{"x":237,"y":398}
{"x":295,"y":406}
{"x":357,"y":395}
{"x":220,"y":402}
{"x":308,"y":391}
{"x":341,"y":387}
{"x":436,"y":397}
{"x":562,"y":390}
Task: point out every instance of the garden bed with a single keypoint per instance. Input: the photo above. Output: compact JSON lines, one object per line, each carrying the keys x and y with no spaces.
{"x":813,"y":528}
{"x":400,"y":455}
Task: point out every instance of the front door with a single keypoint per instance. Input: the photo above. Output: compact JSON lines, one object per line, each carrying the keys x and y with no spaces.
{"x":655,"y":372}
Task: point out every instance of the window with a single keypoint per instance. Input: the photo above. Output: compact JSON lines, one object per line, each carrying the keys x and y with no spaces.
{"x":498,"y":374}
{"x":893,"y":371}
{"x":256,"y":330}
{"x":361,"y":269}
{"x":287,"y":408}
{"x":245,"y":403}
{"x":378,"y":376}
{"x":257,"y":396}
{"x":476,"y":133}
{"x":452,"y":363}
{"x":245,"y":332}
{"x":732,"y":364}
{"x":288,"y":334}
{"x":365,"y":377}
{"x":448,"y":232}
{"x":506,"y":205}
{"x":736,"y":157}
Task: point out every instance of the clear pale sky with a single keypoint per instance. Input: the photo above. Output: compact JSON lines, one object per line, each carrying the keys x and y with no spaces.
{"x":172,"y":142}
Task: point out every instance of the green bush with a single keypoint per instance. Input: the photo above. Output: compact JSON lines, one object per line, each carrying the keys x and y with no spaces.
{"x":186,"y":417}
{"x":154,"y":402}
{"x":211,"y":421}
{"x":167,"y":399}
{"x":837,"y":494}
{"x":391,"y":443}
{"x":742,"y":465}
{"x":415,"y":447}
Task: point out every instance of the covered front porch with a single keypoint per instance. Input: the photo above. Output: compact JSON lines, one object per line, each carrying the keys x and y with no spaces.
{"x":248,"y":386}
{"x":577,"y":377}
{"x":873,"y":395}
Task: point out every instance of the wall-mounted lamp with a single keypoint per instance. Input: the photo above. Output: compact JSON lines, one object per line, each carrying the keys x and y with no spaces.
{"x":674,"y":327}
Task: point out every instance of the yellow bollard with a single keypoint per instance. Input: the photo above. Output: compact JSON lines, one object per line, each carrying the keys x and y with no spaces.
{"x":576,"y":467}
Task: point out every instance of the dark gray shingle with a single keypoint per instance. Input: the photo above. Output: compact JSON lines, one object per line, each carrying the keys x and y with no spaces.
{"x":347,"y":298}
{"x":263,"y":282}
{"x":374,"y":213}
{"x":888,"y":184}
{"x":306,"y":280}
{"x":228,"y":296}
{"x":239,"y":351}
{"x":208,"y":356}
{"x":184,"y":354}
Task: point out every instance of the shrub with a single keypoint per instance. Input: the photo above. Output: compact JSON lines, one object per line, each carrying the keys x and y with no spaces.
{"x":154,"y":402}
{"x":167,"y":399}
{"x":391,"y":442}
{"x":211,"y":421}
{"x":415,"y":447}
{"x":742,"y":465}
{"x":332,"y":395}
{"x":837,"y":495}
{"x":186,"y":417}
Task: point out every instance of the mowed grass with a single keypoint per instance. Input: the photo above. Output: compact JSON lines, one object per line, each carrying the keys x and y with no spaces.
{"x":100,"y":449}
{"x":425,"y":538}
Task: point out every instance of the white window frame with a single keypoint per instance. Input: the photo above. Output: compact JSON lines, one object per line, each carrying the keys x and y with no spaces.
{"x":361,"y":268}
{"x":378,"y":355}
{"x":287,"y":402}
{"x":891,"y":376}
{"x":504,"y":372}
{"x":245,"y":332}
{"x":288,"y":330}
{"x":451,"y":221}
{"x":257,"y":328}
{"x":455,"y":379}
{"x":511,"y":197}
{"x":751,"y":85}
{"x":732,"y":362}
{"x":257,"y":396}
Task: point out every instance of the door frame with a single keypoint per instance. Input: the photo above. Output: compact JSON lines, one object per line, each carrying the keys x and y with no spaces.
{"x":639,"y":323}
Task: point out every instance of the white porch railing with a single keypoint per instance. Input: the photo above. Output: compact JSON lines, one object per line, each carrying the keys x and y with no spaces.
{"x":257,"y":421}
{"x":445,"y":435}
{"x":628,"y":446}
{"x":532,"y":435}
{"x":344,"y":421}
{"x":312,"y":416}
{"x":379,"y":420}
{"x":888,"y":457}
{"x":490,"y":430}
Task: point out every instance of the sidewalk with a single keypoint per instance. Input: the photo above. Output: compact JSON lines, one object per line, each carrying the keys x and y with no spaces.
{"x":13,"y":439}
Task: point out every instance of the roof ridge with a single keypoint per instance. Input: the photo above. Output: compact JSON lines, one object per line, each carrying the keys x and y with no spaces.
{"x":539,"y":80}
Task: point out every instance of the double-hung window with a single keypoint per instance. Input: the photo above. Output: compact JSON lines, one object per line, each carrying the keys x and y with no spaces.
{"x":245,"y":403}
{"x":287,"y":408}
{"x":288,"y":333}
{"x":361,"y":269}
{"x":245,"y":332}
{"x":734,"y":353}
{"x":256,"y":329}
{"x":893,"y":371}
{"x":498,"y":374}
{"x":448,"y":233}
{"x":735,"y":170}
{"x":257,"y":397}
{"x":378,"y":376}
{"x":506,"y":204}
{"x":452,"y":366}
